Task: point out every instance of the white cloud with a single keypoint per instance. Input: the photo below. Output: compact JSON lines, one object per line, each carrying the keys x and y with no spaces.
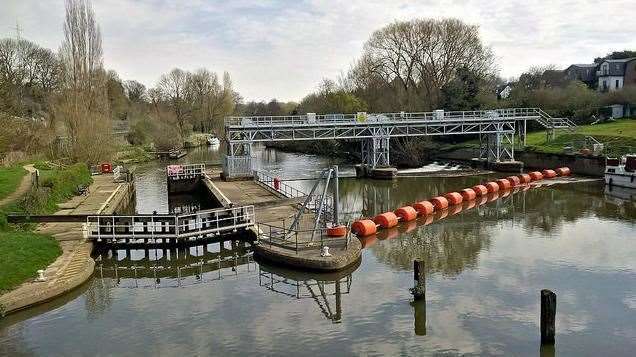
{"x":283,"y":49}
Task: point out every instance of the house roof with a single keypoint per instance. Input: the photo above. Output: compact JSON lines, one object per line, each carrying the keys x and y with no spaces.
{"x":616,"y":66}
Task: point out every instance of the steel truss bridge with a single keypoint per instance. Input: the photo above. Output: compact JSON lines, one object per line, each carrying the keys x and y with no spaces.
{"x":496,"y":130}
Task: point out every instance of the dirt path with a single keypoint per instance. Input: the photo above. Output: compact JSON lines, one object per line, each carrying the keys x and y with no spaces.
{"x":23,"y":188}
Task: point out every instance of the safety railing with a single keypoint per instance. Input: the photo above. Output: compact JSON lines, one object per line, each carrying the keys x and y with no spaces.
{"x":362,"y":118}
{"x":179,"y":172}
{"x":289,"y":191}
{"x":199,"y":224}
{"x":297,"y":239}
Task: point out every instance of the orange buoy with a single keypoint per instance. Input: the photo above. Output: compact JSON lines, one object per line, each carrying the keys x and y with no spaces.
{"x":441,"y":215}
{"x":439,"y":203}
{"x":492,"y":187}
{"x":505,"y":193}
{"x":406,"y":213}
{"x":483,"y":199}
{"x":454,"y":198}
{"x":536,"y":175}
{"x":364,"y":227}
{"x":480,"y":190}
{"x":549,"y":173}
{"x":469,"y":204}
{"x":468,"y":194}
{"x":424,"y":208}
{"x":514,"y":181}
{"x":524,"y":178}
{"x":563,"y":171}
{"x":493,"y":196}
{"x":386,"y":220}
{"x":337,"y":231}
{"x":503,"y":184}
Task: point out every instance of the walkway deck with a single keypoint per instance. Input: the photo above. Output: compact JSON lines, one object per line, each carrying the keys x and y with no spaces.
{"x":75,"y":265}
{"x":275,"y":209}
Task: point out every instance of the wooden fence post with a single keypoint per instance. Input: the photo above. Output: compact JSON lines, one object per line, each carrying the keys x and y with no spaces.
{"x":548,"y":314}
{"x":419,"y":275}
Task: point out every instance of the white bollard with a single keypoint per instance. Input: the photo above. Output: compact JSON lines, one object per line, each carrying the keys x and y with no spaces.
{"x":41,"y":276}
{"x":325,"y":252}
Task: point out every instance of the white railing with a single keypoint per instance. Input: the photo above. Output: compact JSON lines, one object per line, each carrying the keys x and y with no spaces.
{"x":149,"y":226}
{"x":364,"y":118}
{"x":292,"y":192}
{"x":179,"y":172}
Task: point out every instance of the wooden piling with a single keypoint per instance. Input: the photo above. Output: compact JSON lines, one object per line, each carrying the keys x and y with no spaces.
{"x":548,"y":314}
{"x":419,"y":275}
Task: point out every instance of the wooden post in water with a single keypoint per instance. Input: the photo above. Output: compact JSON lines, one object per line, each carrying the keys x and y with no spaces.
{"x":419,"y":275}
{"x":548,"y":314}
{"x":419,"y":294}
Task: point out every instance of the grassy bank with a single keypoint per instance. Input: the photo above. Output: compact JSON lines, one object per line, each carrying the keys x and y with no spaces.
{"x":619,"y":138}
{"x":10,"y":178}
{"x":23,"y":252}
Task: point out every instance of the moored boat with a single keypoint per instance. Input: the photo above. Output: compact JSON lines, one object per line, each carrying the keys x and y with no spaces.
{"x":621,"y":172}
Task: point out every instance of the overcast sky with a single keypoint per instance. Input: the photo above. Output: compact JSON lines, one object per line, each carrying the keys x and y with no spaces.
{"x":282,"y":49}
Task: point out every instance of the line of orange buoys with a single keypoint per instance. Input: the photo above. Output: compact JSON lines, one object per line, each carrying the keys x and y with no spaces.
{"x":449,"y":204}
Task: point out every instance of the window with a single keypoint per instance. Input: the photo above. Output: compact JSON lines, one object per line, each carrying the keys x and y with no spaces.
{"x":617,"y":84}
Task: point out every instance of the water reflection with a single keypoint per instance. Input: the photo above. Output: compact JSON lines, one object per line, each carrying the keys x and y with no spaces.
{"x":325,"y":289}
{"x":174,"y":266}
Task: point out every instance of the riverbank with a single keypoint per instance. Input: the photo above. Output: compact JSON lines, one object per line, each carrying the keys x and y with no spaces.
{"x":74,"y":265}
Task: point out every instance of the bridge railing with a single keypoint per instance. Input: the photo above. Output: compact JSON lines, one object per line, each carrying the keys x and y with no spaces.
{"x":150,"y":226}
{"x":292,"y":192}
{"x":179,"y":172}
{"x":237,"y":166}
{"x":362,"y":118}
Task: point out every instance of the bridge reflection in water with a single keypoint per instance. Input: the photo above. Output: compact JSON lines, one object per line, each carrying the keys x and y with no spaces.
{"x":174,"y":266}
{"x":178,"y":267}
{"x":325,"y":289}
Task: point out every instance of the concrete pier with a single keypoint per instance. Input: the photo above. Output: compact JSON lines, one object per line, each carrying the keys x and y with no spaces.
{"x":274,"y":209}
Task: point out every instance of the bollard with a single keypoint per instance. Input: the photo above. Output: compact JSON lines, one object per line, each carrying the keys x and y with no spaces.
{"x":548,"y":313}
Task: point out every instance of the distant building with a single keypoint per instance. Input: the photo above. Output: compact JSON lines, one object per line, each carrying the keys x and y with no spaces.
{"x":503,"y":91}
{"x":585,"y":73}
{"x":614,"y":74}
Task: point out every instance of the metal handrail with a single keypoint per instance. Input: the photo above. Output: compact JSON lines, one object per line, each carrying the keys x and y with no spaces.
{"x":270,"y":233}
{"x":292,"y":192}
{"x":170,"y":226}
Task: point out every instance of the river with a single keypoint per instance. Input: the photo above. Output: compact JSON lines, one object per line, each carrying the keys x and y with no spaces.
{"x":484,"y":270}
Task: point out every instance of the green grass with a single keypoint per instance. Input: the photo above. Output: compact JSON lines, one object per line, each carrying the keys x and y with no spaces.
{"x":10,"y":178}
{"x":619,"y":138}
{"x":22,"y":254}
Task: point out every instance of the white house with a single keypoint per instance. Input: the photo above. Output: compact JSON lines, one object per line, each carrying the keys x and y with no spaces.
{"x":615,"y":74}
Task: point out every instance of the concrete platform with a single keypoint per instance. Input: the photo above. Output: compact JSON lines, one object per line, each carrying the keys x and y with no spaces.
{"x":273,"y":208}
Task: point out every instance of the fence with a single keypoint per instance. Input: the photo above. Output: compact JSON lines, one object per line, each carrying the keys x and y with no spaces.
{"x":199,"y":224}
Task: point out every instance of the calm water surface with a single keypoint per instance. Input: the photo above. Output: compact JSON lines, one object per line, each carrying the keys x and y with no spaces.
{"x":485,"y":267}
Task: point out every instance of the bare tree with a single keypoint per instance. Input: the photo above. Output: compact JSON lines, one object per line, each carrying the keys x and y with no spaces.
{"x":414,"y":59}
{"x":83,"y":104}
{"x":135,"y":91}
{"x":173,"y":89}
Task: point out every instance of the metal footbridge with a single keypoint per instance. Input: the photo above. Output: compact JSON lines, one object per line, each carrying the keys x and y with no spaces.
{"x":496,"y":129}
